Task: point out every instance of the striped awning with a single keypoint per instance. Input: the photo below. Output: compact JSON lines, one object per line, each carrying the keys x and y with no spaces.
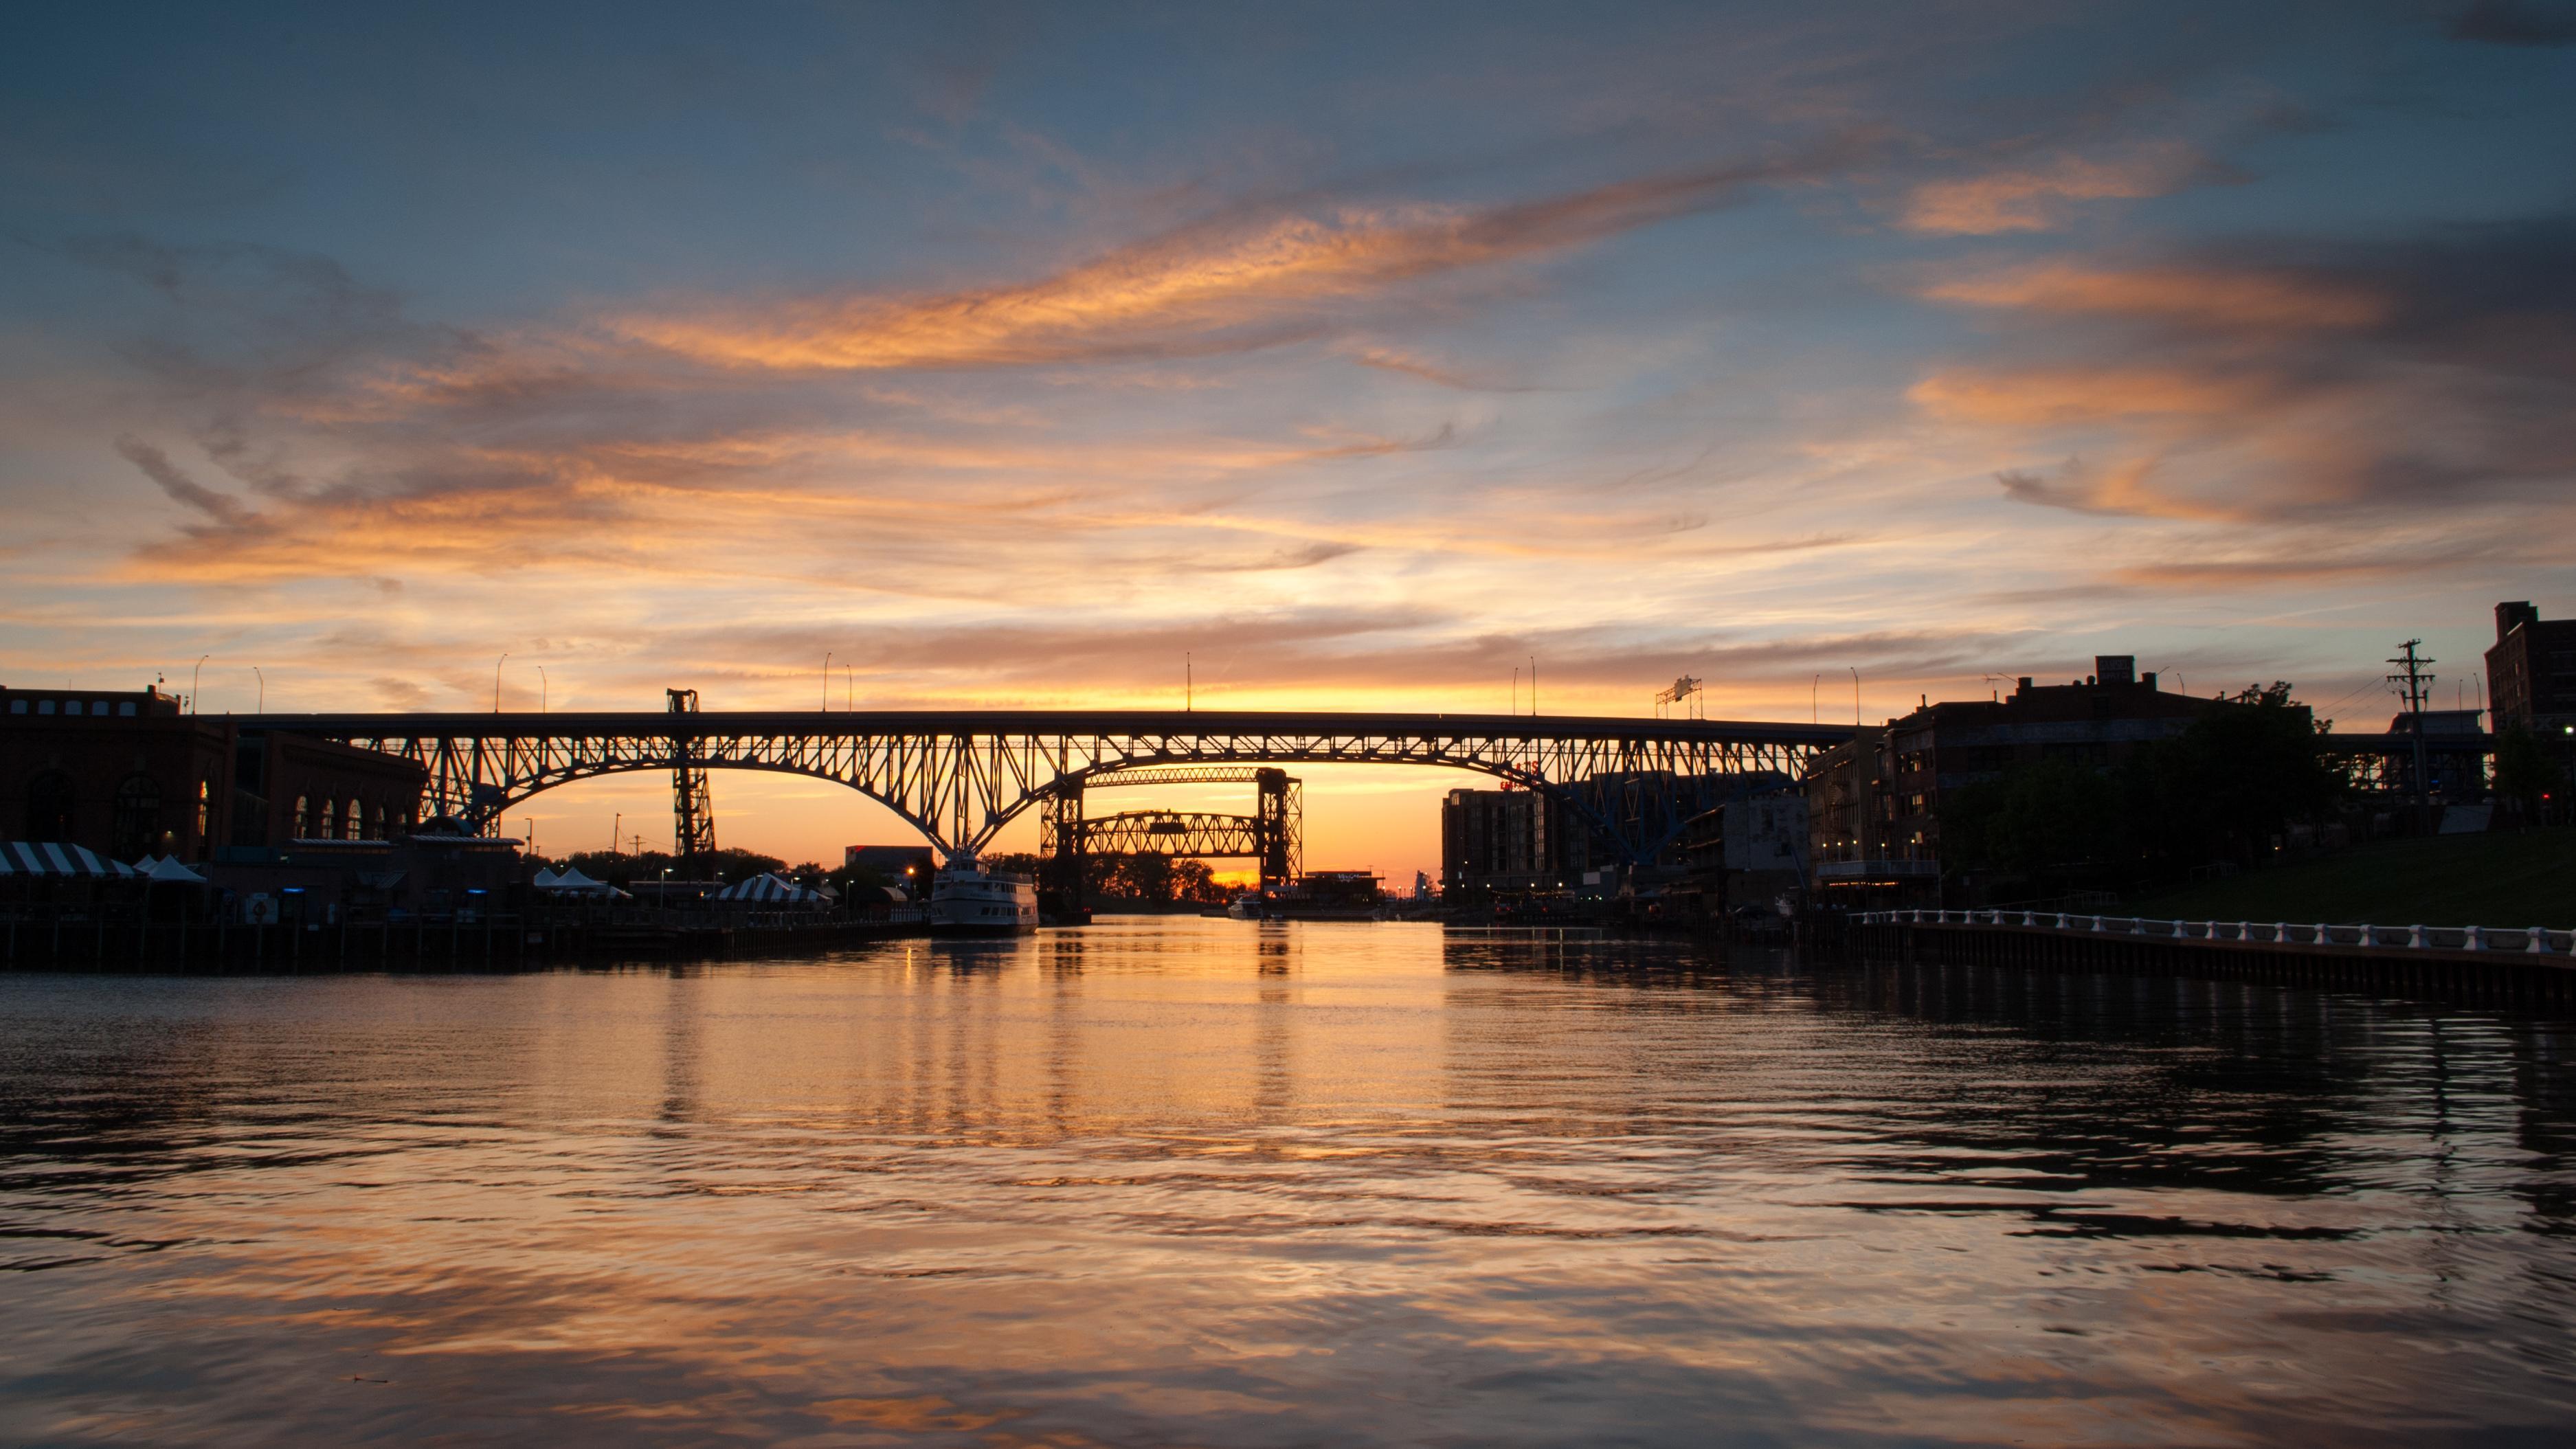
{"x":768,"y":890}
{"x":55,"y":857}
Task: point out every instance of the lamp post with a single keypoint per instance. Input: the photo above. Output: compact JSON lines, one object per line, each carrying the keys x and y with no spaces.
{"x":544,"y":689}
{"x":827,"y":682}
{"x":496,"y":681}
{"x":1855,"y":674}
{"x":192,"y":681}
{"x":262,"y":707}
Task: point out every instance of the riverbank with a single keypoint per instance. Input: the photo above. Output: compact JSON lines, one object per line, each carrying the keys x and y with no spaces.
{"x":2519,"y":878}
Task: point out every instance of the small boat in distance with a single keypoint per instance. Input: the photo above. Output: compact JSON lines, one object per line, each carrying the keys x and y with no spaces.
{"x":968,"y":900}
{"x":1245,"y":907}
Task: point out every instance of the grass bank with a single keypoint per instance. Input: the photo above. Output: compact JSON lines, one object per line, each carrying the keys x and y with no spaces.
{"x":2522,"y":878}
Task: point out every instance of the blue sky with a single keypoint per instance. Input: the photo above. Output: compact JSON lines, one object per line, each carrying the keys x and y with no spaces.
{"x":1361,"y":353}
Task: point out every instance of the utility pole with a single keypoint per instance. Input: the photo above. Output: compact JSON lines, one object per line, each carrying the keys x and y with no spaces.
{"x":2412,"y":685}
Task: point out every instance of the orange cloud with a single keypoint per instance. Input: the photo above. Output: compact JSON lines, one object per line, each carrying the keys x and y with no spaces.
{"x":2253,"y":300}
{"x":2048,"y":397}
{"x":1189,"y":294}
{"x":2034,"y":198}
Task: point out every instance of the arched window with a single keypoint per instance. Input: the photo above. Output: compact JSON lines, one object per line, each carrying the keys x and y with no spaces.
{"x":49,"y":806}
{"x":326,"y":823}
{"x":303,"y":816}
{"x":357,"y":824}
{"x":138,"y":818}
{"x":205,"y":809}
{"x":379,"y":832}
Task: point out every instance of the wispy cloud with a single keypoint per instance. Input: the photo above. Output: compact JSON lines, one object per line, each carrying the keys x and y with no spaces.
{"x":2037,"y":195}
{"x":154,"y":464}
{"x":1202,"y":290}
{"x":2283,"y":379}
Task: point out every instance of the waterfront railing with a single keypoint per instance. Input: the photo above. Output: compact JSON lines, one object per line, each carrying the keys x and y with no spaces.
{"x":2524,"y":940}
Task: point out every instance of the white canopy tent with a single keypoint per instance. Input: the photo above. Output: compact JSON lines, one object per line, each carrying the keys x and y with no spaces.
{"x":168,"y":869}
{"x":571,"y":882}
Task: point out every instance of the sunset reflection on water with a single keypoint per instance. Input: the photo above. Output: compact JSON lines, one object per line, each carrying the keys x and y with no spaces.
{"x":1207,"y":1182}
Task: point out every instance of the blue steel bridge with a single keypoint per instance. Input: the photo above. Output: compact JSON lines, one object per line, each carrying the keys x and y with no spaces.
{"x":959,"y":776}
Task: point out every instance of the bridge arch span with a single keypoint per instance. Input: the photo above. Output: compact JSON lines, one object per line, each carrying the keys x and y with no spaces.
{"x":521,"y":795}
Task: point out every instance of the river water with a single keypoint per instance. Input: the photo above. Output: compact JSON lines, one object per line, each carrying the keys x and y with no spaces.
{"x":1207,"y":1182}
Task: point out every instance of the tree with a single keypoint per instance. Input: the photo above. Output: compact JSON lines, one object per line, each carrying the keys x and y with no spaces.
{"x":2525,"y":775}
{"x":2053,"y":820}
{"x":2224,"y":787}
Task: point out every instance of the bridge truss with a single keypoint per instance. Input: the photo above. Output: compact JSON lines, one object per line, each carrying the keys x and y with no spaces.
{"x":1272,"y":835}
{"x":959,"y":776}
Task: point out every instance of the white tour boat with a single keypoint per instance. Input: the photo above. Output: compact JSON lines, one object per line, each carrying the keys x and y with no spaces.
{"x":968,"y":900}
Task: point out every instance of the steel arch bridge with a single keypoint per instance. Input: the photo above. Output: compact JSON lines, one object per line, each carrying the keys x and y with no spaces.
{"x":959,"y":776}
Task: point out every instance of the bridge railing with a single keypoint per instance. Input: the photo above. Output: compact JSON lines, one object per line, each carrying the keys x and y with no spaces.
{"x":2524,"y":940}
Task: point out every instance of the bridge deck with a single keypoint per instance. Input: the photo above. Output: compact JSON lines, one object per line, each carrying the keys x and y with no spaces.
{"x":522,"y":724}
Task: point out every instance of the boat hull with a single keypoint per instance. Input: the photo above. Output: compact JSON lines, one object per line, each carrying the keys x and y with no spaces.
{"x":985,"y":929}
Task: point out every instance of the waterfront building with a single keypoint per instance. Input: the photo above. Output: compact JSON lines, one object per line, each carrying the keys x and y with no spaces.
{"x":1499,"y":840}
{"x":1750,"y":851}
{"x":2531,"y":671}
{"x":2097,"y":721}
{"x":126,"y":774}
{"x":1849,"y":862}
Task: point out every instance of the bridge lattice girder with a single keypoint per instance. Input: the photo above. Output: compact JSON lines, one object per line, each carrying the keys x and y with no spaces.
{"x":960,"y":777}
{"x":1188,"y":833}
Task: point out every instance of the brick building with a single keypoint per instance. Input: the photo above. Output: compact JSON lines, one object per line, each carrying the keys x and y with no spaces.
{"x":2531,"y":671}
{"x":126,"y":774}
{"x":2097,"y":721}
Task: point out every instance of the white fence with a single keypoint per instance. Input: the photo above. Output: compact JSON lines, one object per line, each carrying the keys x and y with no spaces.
{"x":2524,"y":940}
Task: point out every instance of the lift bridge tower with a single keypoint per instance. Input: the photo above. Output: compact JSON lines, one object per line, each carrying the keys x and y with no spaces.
{"x":1272,"y":834}
{"x":693,"y":809}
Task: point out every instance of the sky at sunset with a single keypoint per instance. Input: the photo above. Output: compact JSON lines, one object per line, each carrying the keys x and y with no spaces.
{"x":1361,"y":354}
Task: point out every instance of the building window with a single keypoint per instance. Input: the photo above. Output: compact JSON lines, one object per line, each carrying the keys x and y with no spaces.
{"x":303,"y":818}
{"x":326,"y":822}
{"x":44,"y":706}
{"x":17,"y":706}
{"x":379,"y":832}
{"x":138,"y":817}
{"x":357,"y":824}
{"x":125,"y":709}
{"x":205,"y":808}
{"x":71,"y":706}
{"x":49,"y":806}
